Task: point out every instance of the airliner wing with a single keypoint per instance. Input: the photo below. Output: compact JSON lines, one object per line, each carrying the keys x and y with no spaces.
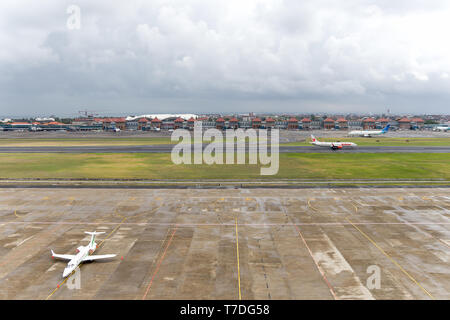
{"x":98,"y":257}
{"x":63,"y":256}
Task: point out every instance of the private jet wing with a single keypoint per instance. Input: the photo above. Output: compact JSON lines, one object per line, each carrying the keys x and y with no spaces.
{"x":62,"y":256}
{"x":98,"y":257}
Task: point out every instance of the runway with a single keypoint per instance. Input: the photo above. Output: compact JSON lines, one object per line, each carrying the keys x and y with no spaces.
{"x":167,"y":148}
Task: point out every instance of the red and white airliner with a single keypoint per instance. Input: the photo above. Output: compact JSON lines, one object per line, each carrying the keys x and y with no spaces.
{"x":333,"y":145}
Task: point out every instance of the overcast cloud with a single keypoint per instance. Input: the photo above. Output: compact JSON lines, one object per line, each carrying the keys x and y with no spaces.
{"x":233,"y":56}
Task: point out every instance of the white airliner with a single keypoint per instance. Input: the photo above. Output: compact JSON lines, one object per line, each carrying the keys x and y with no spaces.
{"x":332,"y":145}
{"x":83,"y":254}
{"x":369,"y":133}
{"x":442,"y":128}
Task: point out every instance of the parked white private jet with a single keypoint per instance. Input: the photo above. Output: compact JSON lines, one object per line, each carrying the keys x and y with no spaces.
{"x":369,"y":133}
{"x":333,"y":145}
{"x":83,"y":254}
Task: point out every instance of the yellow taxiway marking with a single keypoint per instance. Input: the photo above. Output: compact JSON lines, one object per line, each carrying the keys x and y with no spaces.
{"x":15,"y":213}
{"x":45,"y":198}
{"x":138,"y":215}
{"x":71,"y":200}
{"x":60,"y":284}
{"x":426,"y":198}
{"x":354,"y":206}
{"x":309,"y":204}
{"x":248,"y":199}
{"x":400,"y":198}
{"x":118,"y":205}
{"x":123,"y":220}
{"x":237,"y":254}
{"x":390,"y":258}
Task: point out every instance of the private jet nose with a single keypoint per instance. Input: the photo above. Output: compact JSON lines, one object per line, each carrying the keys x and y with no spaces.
{"x":67,"y":271}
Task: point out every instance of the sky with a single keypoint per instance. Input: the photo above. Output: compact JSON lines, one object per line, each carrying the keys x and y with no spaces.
{"x":191,"y":56}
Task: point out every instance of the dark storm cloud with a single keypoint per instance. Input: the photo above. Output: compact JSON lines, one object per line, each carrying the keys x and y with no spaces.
{"x":193,"y":56}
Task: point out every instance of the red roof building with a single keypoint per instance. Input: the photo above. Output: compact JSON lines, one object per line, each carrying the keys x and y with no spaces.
{"x":220,"y":123}
{"x":404,"y":123}
{"x":119,"y":123}
{"x":191,"y":123}
{"x":155,"y":123}
{"x":234,"y":123}
{"x":178,"y":123}
{"x":306,"y":123}
{"x":342,"y":123}
{"x":369,"y":123}
{"x":142,"y":123}
{"x":270,"y":123}
{"x":328,"y":123}
{"x":293,"y":124}
{"x":256,"y":123}
{"x":417,"y":122}
{"x":382,"y":122}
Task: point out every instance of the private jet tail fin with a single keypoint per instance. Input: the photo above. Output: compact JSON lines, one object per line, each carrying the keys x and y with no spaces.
{"x":93,"y":234}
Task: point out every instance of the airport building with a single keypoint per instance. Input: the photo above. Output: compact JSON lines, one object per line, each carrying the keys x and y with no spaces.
{"x":286,"y":122}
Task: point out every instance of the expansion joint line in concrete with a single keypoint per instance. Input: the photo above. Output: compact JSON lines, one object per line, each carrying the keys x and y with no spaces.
{"x":324,"y":277}
{"x":322,"y":273}
{"x":390,"y":258}
{"x":159,"y":263}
